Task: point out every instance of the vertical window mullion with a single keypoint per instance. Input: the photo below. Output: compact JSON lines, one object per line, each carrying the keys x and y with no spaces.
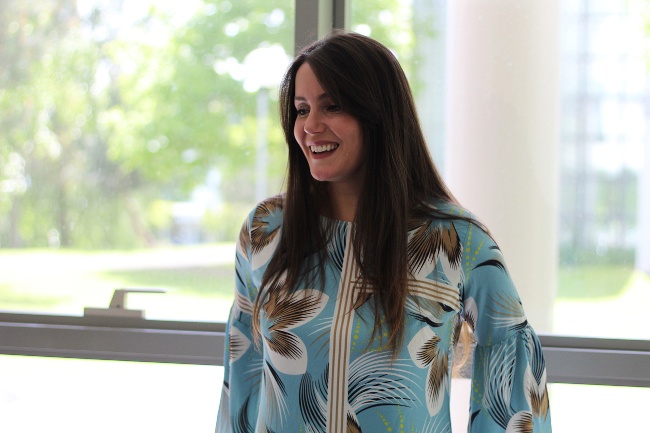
{"x":316,"y":18}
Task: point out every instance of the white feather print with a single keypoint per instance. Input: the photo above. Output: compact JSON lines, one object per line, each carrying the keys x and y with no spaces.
{"x":417,"y":343}
{"x":470,"y":312}
{"x":288,"y":364}
{"x":373,"y":379}
{"x":239,"y":344}
{"x":521,"y":422}
{"x":264,"y":255}
{"x":275,"y":397}
{"x":243,"y":304}
{"x":285,"y":349}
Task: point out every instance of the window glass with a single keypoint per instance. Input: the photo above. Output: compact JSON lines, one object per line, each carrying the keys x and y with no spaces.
{"x":596,"y":408}
{"x":604,"y":158}
{"x":415,"y":32}
{"x":604,"y":261}
{"x":135,"y":138}
{"x":574,"y":408}
{"x":78,"y":396}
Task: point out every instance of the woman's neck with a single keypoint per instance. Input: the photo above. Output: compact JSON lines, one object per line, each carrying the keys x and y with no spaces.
{"x":344,"y":200}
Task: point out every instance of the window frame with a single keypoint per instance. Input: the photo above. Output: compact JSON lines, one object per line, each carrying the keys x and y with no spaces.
{"x":573,"y":360}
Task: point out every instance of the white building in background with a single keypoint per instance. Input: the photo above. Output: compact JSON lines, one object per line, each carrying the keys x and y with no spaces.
{"x":605,"y":94}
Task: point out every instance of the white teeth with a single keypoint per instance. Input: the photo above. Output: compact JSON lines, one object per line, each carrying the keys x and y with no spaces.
{"x":324,"y":148}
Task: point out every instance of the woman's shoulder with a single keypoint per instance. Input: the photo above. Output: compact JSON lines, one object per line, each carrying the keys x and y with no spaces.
{"x":450,"y":209}
{"x":271,"y":206}
{"x":446,"y":213}
{"x":439,"y":210}
{"x":266,"y":216}
{"x":275,"y":202}
{"x":260,"y":231}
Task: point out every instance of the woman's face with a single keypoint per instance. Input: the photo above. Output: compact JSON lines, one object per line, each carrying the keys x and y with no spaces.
{"x":330,"y":139}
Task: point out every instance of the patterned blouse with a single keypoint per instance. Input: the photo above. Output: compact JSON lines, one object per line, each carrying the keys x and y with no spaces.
{"x":319,"y":367}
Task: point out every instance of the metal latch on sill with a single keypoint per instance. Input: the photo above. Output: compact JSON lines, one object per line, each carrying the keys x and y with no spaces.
{"x":117,"y":307}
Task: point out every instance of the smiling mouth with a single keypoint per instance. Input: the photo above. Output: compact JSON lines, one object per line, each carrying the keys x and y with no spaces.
{"x":323,"y":148}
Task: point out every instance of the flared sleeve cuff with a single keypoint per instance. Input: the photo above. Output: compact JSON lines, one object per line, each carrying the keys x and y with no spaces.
{"x":509,"y":391}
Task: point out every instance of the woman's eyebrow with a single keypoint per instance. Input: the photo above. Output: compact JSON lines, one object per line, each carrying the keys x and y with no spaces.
{"x":322,"y":97}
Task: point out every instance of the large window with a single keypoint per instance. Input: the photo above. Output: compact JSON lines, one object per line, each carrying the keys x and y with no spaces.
{"x":135,"y":138}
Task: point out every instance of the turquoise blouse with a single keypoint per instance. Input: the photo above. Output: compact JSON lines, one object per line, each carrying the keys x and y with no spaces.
{"x":318,"y":366}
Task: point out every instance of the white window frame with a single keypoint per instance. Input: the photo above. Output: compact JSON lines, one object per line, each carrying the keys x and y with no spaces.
{"x":573,"y":360}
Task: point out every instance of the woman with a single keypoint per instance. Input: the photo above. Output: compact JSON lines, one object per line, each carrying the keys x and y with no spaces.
{"x":353,"y":286}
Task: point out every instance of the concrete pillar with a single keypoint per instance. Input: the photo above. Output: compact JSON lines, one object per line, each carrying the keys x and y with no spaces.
{"x":503,"y":134}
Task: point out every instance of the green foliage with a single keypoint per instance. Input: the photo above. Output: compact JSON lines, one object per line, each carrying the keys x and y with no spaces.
{"x":184,"y":110}
{"x":96,"y":116}
{"x":401,"y":27}
{"x":389,"y":22}
{"x":46,"y":93}
{"x":160,"y":215}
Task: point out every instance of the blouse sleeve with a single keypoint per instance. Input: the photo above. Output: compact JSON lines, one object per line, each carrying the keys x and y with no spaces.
{"x":509,"y":375}
{"x":239,"y":403}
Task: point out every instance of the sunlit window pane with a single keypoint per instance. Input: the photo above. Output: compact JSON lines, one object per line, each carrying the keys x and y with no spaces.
{"x":604,"y":263}
{"x":592,"y":408}
{"x":79,"y":396}
{"x":134,"y":139}
{"x":574,"y":408}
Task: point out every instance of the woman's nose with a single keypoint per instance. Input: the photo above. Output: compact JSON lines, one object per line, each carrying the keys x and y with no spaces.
{"x":313,"y":123}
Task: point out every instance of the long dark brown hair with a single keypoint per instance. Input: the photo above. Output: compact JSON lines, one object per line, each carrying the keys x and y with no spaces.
{"x":365,"y":79}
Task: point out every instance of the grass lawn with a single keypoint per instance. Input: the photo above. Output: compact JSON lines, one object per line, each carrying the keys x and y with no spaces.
{"x":214,"y":280}
{"x":589,"y":282}
{"x":65,"y":281}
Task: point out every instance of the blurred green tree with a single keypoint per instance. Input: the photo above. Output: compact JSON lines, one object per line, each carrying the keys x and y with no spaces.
{"x":104,"y":112}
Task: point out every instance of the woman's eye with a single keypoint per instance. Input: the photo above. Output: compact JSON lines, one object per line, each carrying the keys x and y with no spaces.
{"x":302,"y":112}
{"x":334,"y":108}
